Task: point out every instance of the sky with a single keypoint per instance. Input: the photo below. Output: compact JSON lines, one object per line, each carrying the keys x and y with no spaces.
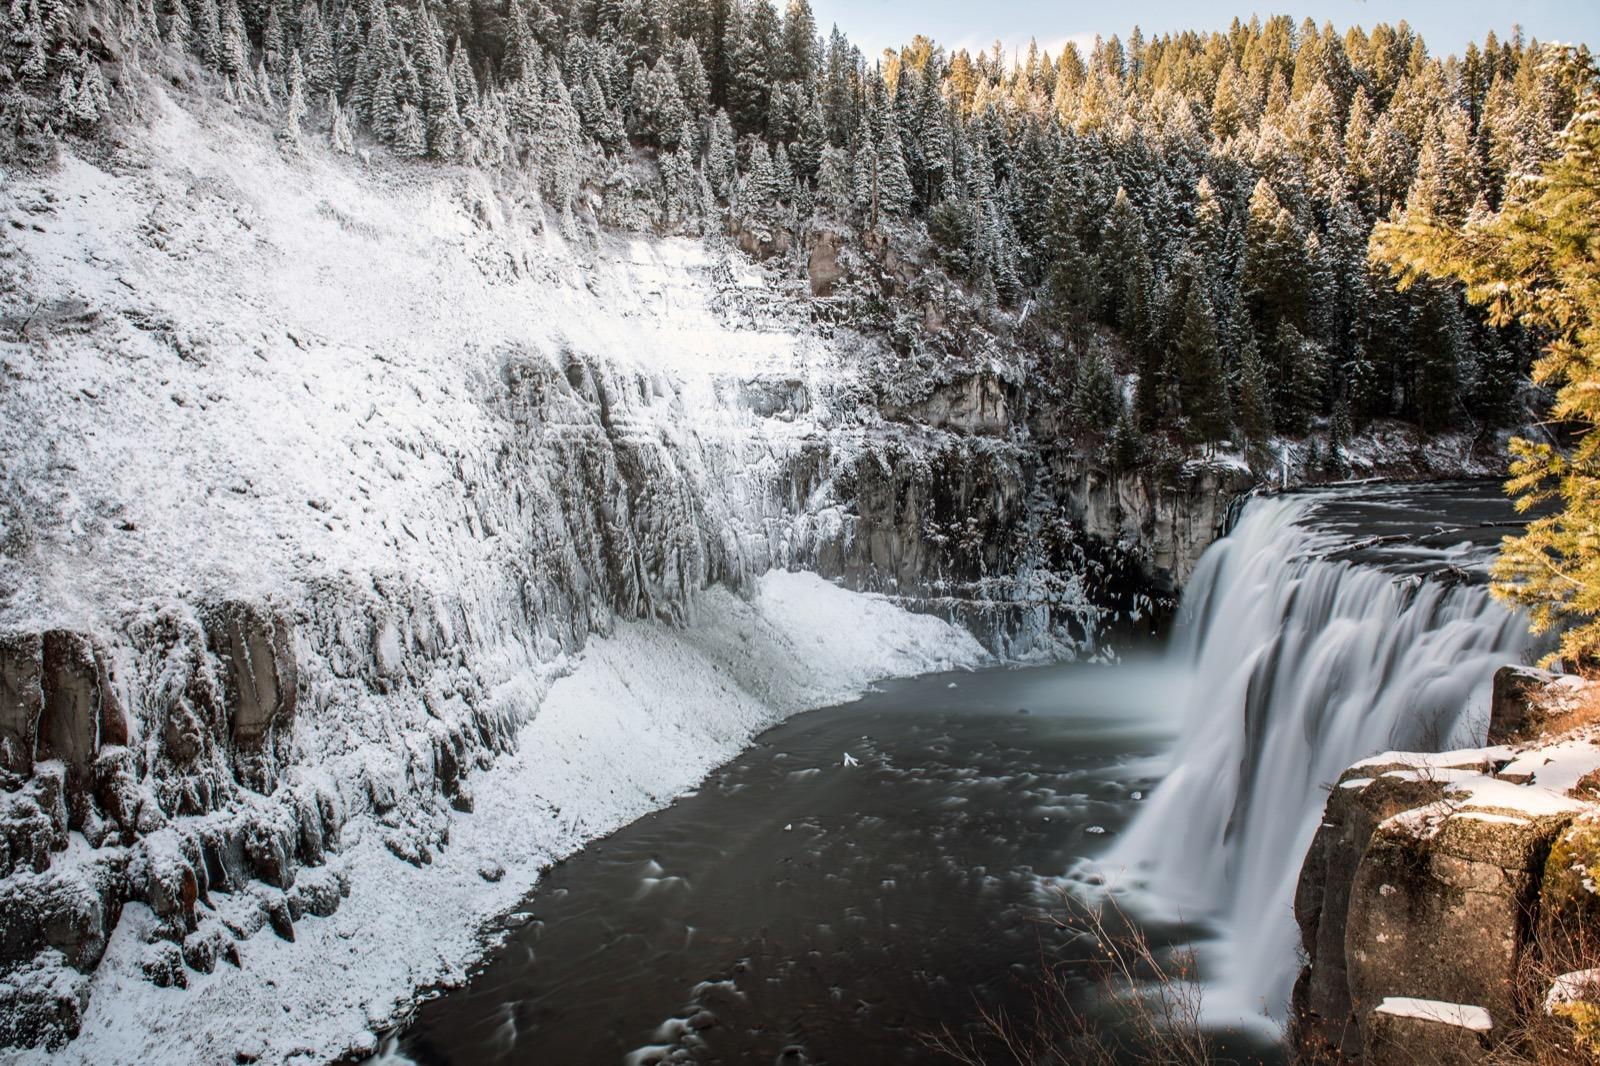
{"x":1446,"y":25}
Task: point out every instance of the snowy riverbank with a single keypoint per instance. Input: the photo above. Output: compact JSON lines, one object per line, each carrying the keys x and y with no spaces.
{"x":313,"y":476}
{"x":643,"y":716}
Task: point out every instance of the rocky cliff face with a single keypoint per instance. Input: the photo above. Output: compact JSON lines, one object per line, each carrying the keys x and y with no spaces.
{"x":311,"y":478}
{"x":1422,"y":896}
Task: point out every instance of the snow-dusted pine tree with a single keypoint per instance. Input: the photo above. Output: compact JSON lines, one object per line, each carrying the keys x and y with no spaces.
{"x":339,"y":138}
{"x":410,"y":133}
{"x":294,"y":108}
{"x":721,"y":157}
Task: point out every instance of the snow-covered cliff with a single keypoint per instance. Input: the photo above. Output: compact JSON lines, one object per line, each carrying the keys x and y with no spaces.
{"x":317,"y":480}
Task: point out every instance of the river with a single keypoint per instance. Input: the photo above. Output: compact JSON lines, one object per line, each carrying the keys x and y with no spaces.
{"x":868,"y":874}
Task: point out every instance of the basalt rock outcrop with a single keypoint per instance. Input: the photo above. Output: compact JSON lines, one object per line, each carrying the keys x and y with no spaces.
{"x":1422,"y":895}
{"x":198,"y":747}
{"x":169,"y":814}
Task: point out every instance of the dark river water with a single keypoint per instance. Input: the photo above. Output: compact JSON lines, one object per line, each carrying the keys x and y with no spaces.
{"x":797,"y":909}
{"x":867,"y":874}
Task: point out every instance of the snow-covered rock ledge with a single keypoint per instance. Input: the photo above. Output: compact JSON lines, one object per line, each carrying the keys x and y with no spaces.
{"x":643,"y":715}
{"x":1438,"y":896}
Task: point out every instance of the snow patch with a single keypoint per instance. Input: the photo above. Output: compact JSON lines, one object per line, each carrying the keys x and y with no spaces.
{"x":1460,"y":1015}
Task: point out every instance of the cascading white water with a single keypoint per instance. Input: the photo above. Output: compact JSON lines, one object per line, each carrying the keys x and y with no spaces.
{"x":1300,"y":665}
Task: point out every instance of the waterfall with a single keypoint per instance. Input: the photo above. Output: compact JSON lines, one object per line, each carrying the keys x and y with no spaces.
{"x":1299,"y":665}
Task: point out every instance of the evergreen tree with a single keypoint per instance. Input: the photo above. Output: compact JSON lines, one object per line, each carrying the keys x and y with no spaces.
{"x":233,"y":55}
{"x":272,"y":41}
{"x":349,"y":42}
{"x":800,"y":53}
{"x":597,"y":118}
{"x":1436,"y":342}
{"x":1429,"y":197}
{"x":557,"y":141}
{"x":839,"y":103}
{"x":1296,"y":386}
{"x":320,"y":77}
{"x":894,"y":193}
{"x":338,"y":128}
{"x":80,"y":102}
{"x":207,"y":23}
{"x":721,"y":156}
{"x":295,"y":106}
{"x":66,"y":99}
{"x":756,"y":53}
{"x":410,"y":137}
{"x":1201,"y":395}
{"x":445,"y":128}
{"x":463,"y":82}
{"x":1253,"y":405}
{"x":680,"y":186}
{"x":658,"y":111}
{"x":1337,"y":463}
{"x":1073,"y":291}
{"x":694,"y":87}
{"x":1312,"y":465}
{"x":1122,"y":251}
{"x":934,"y":141}
{"x":813,"y":141}
{"x":520,"y":50}
{"x":1096,"y":398}
{"x":384,"y":105}
{"x":761,"y":194}
{"x":177,"y":28}
{"x":833,"y":200}
{"x":1275,"y":263}
{"x":1127,"y":445}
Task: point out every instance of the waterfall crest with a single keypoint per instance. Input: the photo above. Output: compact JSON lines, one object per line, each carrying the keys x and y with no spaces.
{"x":1299,"y":664}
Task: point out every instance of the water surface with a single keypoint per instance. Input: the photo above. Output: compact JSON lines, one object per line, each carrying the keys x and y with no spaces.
{"x":803,"y":906}
{"x":870,"y":873}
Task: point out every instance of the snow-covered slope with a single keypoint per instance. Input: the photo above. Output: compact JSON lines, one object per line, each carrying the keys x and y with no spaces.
{"x":313,"y":478}
{"x":240,"y":373}
{"x":644,"y":715}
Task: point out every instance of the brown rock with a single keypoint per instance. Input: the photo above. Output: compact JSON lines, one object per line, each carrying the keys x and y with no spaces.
{"x":980,"y":404}
{"x":260,"y":678}
{"x":1513,"y":711}
{"x":1324,"y":1018}
{"x":21,"y":700}
{"x":823,"y":263}
{"x":81,"y":710}
{"x":1442,"y":917}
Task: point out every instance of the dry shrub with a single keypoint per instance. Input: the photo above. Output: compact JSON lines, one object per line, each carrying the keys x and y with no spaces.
{"x":1148,"y":1009}
{"x":1567,"y":706}
{"x":1555,"y":1034}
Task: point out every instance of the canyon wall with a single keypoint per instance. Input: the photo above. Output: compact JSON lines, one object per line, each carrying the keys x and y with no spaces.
{"x":315,"y":477}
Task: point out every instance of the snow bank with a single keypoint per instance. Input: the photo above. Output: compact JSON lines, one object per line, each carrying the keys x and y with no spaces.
{"x":1460,"y":1015}
{"x":1557,"y":767}
{"x":642,"y":717}
{"x":1499,"y":785}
